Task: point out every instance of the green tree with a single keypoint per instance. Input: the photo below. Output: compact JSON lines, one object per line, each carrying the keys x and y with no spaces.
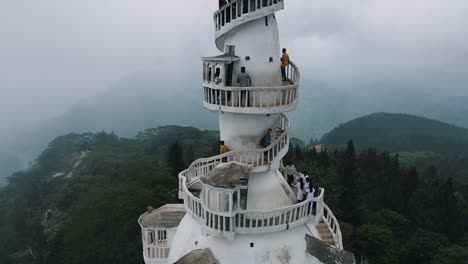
{"x":452,"y":255}
{"x":377,"y":243}
{"x":175,"y":159}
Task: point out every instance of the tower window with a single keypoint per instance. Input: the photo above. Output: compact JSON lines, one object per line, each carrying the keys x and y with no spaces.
{"x":247,"y":58}
{"x":271,"y":59}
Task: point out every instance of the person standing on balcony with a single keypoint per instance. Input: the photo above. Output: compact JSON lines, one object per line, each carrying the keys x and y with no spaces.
{"x":244,"y":80}
{"x":266,"y":140}
{"x":300,"y":193}
{"x":316,"y":186}
{"x":284,"y":64}
{"x":223,"y":149}
{"x":290,"y":171}
{"x":217,"y":76}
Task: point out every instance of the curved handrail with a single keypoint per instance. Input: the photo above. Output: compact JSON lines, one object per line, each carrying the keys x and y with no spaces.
{"x":254,"y":157}
{"x":333,"y":225}
{"x":251,"y":221}
{"x":254,"y":100}
{"x":237,"y":12}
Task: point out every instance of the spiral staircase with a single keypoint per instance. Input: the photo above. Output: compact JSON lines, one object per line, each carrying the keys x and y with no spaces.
{"x":227,"y":216}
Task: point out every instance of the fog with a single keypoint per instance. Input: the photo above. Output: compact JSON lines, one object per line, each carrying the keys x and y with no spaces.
{"x":57,"y":54}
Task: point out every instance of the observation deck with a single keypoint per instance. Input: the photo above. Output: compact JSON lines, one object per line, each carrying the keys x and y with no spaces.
{"x":249,"y":100}
{"x":229,"y":216}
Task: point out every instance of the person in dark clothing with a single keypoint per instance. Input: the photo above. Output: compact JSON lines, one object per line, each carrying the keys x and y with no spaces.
{"x":316,"y":186}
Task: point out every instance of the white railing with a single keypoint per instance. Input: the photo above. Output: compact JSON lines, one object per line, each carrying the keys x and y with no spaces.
{"x":247,"y":221}
{"x":156,"y":252}
{"x":216,"y":223}
{"x":256,"y":158}
{"x":253,"y":99}
{"x":333,"y":226}
{"x":236,"y":9}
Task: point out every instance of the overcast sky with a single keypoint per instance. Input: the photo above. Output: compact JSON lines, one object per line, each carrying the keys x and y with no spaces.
{"x":54,"y":53}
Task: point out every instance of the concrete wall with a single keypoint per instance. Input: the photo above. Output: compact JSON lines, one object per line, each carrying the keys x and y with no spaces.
{"x":244,"y":132}
{"x":260,"y":43}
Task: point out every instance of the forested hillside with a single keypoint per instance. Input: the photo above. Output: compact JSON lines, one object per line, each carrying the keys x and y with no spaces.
{"x":400,"y":133}
{"x":390,"y":213}
{"x":81,"y":200}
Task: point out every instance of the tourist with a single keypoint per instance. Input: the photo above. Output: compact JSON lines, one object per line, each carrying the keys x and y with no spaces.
{"x":217,"y":77}
{"x":300,"y":193}
{"x":316,"y":186}
{"x":290,"y":171}
{"x":266,"y":140}
{"x":223,"y":148}
{"x":310,"y":192}
{"x":284,"y":64}
{"x":305,"y":176}
{"x":306,"y":187}
{"x":244,"y":80}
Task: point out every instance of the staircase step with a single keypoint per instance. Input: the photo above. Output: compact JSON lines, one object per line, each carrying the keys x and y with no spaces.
{"x":326,"y":236}
{"x":329,"y":241}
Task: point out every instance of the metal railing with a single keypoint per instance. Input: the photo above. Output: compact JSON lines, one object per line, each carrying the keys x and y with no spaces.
{"x":235,"y":99}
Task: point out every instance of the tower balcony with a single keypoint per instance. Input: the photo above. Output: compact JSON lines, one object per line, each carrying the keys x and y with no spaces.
{"x":221,"y":95}
{"x":238,"y":12}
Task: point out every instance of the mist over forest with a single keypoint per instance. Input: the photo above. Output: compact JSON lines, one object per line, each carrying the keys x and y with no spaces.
{"x":136,"y":103}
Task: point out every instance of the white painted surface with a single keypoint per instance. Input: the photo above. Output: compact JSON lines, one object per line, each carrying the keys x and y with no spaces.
{"x":266,"y":193}
{"x":260,"y":42}
{"x":268,"y":248}
{"x":244,"y":132}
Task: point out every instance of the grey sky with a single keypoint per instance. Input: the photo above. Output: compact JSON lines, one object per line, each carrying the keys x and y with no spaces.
{"x":54,"y":53}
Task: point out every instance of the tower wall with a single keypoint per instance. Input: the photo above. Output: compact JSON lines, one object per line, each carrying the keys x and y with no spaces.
{"x":244,"y":132}
{"x":260,"y":42}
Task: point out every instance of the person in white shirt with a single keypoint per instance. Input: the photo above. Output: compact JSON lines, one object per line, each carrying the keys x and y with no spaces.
{"x":306,"y":187}
{"x":310,"y":192}
{"x":300,"y":190}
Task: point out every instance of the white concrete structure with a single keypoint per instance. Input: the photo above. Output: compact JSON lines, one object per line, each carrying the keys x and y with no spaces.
{"x":238,"y":203}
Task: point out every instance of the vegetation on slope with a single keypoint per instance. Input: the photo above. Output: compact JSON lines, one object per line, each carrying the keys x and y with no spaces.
{"x":390,"y":213}
{"x":80,"y":201}
{"x":400,"y":133}
{"x":67,"y":210}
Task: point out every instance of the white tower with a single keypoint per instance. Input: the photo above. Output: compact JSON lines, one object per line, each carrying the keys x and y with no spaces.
{"x":239,"y":207}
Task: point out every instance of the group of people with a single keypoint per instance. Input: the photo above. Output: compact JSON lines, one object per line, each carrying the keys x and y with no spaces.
{"x":306,"y":187}
{"x":244,"y":80}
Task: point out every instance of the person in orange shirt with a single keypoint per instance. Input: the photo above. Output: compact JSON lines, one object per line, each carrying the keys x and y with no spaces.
{"x":223,"y":148}
{"x":284,"y":64}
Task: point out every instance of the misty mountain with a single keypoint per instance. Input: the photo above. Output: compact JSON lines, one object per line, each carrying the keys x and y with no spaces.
{"x":144,"y":101}
{"x":400,"y":133}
